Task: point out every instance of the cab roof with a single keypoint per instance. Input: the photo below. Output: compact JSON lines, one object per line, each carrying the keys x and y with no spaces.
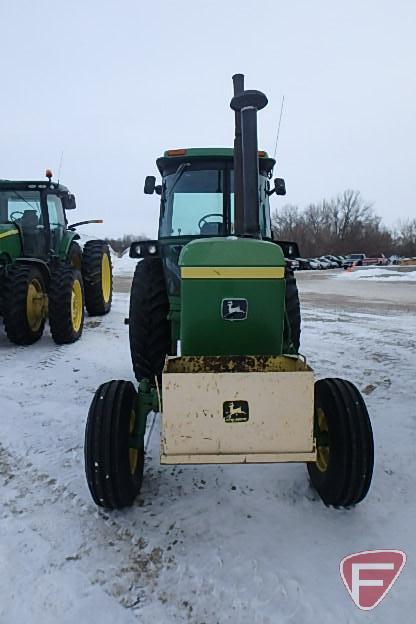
{"x":206,"y":153}
{"x":30,"y":185}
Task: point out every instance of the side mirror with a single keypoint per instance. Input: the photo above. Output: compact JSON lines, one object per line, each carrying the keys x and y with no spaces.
{"x":279,"y":186}
{"x":149,"y":185}
{"x":68,"y":201}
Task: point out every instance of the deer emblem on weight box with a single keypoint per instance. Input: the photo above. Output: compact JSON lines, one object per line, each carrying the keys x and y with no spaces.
{"x":235,"y":413}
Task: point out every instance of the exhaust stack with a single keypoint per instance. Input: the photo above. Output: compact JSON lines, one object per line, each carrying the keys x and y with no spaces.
{"x":246,"y":104}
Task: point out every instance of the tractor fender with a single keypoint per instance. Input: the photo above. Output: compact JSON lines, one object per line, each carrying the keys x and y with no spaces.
{"x":40,"y":264}
{"x":67,"y":239}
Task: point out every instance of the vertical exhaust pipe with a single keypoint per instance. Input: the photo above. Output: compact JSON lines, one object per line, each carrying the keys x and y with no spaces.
{"x":238,"y":83}
{"x":246,"y":104}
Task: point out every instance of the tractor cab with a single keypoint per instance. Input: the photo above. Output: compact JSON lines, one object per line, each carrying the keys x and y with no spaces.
{"x":35,"y":211}
{"x":197,"y":195}
{"x":197,"y":201}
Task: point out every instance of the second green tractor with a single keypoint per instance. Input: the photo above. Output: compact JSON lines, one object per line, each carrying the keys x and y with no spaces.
{"x":44,"y":272}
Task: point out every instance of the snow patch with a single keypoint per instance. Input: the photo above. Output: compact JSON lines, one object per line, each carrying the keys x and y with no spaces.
{"x":380,"y":274}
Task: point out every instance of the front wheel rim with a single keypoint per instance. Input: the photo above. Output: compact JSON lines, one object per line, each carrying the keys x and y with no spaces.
{"x":322,"y":447}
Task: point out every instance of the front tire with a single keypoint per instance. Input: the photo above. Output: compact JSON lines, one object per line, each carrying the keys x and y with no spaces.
{"x":114,"y":469}
{"x":66,"y":305}
{"x":98,"y":277}
{"x":149,"y":328}
{"x":345,"y":448}
{"x":25,"y":304}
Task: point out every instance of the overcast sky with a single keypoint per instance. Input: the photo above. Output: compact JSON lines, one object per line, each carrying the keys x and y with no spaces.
{"x":114,"y":83}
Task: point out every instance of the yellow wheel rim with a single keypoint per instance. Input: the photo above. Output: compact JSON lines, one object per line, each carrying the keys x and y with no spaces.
{"x":77,"y":305}
{"x":322,"y":456}
{"x":133,"y":452}
{"x":106,"y":278}
{"x":35,"y":305}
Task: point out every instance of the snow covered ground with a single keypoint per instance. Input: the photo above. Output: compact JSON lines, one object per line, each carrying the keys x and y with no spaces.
{"x":124,"y":266}
{"x":383,"y":274}
{"x":202,"y":544}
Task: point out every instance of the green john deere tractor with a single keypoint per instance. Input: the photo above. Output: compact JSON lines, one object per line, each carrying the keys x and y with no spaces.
{"x":43,"y":270}
{"x":214,"y":335}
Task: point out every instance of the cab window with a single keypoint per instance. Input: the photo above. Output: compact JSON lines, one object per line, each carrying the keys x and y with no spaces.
{"x":56,"y":221}
{"x":193,"y":204}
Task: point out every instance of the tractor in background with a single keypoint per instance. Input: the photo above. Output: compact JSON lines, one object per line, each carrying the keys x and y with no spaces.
{"x":214,"y":337}
{"x":44,"y":272}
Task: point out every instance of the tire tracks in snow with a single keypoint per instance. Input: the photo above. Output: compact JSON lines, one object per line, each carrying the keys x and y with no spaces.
{"x":131,"y":579}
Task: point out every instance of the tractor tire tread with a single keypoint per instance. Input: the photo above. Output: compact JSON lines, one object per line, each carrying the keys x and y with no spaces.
{"x":14,"y":303}
{"x":60,"y":293}
{"x":149,"y":328}
{"x":106,"y":447}
{"x":91,"y":273}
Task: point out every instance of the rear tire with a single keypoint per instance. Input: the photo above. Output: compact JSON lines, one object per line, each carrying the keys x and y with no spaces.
{"x":149,"y":328}
{"x":66,"y":305}
{"x":113,"y":468}
{"x":24,"y":303}
{"x":98,"y":277}
{"x":75,"y":256}
{"x":344,"y":467}
{"x":293,"y":313}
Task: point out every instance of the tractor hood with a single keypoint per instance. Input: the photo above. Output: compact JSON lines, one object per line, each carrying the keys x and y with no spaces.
{"x":7,"y":229}
{"x":9,"y":240}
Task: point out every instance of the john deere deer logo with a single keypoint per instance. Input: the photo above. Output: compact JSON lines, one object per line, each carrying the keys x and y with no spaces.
{"x":235,"y":411}
{"x":234,"y":309}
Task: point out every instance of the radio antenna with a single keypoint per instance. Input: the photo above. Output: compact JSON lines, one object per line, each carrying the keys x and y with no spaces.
{"x":60,"y":164}
{"x":278,"y":128}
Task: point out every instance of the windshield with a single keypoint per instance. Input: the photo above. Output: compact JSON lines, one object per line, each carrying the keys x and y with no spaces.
{"x":20,"y":207}
{"x":200,"y":202}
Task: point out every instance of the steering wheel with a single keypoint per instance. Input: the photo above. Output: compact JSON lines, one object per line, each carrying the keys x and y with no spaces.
{"x":203,"y":220}
{"x":16,"y":212}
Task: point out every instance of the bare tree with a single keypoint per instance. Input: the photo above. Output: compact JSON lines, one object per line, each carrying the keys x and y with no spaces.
{"x":340,"y":225}
{"x":405,"y":237}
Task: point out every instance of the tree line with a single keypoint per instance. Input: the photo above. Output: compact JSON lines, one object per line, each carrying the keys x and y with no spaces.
{"x":341,"y":225}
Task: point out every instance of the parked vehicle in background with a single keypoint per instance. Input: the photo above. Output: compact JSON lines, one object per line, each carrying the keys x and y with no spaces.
{"x":355,"y":259}
{"x":326,"y":264}
{"x":378,"y":260}
{"x":332,"y":262}
{"x":304,"y":264}
{"x":335,"y":259}
{"x":407,"y":261}
{"x":314,"y":264}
